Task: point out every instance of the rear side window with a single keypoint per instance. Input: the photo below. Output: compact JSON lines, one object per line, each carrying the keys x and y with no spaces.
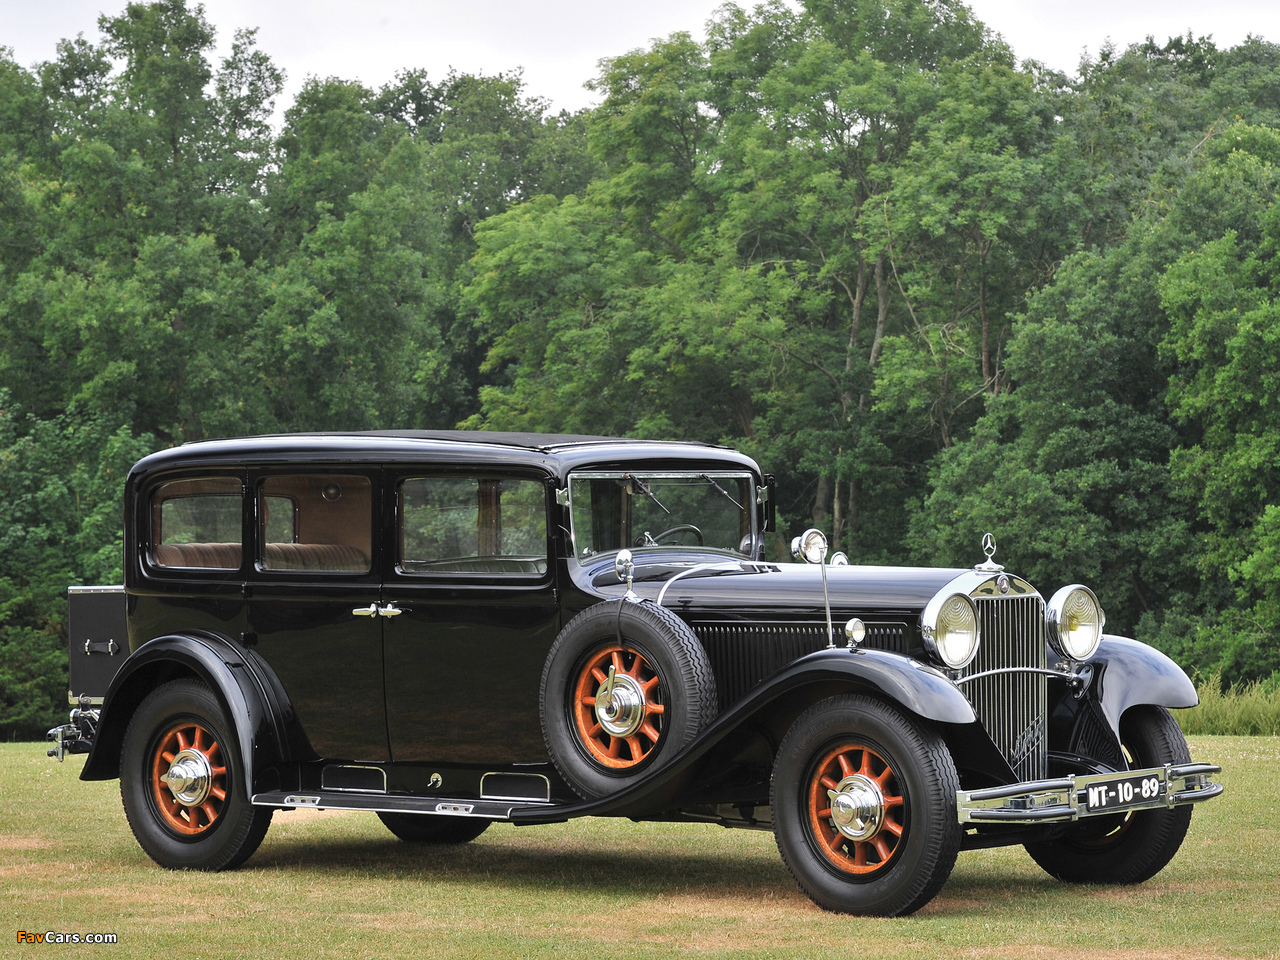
{"x":197,"y":523}
{"x":318,"y":523}
{"x":473,"y":525}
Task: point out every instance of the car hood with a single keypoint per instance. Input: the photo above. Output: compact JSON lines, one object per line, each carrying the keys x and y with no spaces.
{"x":790,"y":589}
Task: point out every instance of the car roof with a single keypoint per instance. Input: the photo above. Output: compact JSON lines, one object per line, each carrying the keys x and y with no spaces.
{"x":556,"y":453}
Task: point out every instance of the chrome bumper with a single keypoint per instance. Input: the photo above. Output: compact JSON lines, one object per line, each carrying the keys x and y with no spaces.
{"x":1072,"y":797}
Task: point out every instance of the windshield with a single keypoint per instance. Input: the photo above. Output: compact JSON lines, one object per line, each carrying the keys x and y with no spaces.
{"x":714,"y":510}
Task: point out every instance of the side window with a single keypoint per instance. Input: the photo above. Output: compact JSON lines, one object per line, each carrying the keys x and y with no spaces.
{"x":320,"y":523}
{"x":280,"y":519}
{"x":196,"y":523}
{"x":473,"y":526}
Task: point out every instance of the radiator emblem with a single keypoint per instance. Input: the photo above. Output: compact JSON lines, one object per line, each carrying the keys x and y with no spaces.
{"x":1028,"y":741}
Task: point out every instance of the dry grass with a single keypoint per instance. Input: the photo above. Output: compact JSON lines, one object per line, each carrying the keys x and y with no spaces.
{"x":339,"y":885}
{"x":1247,"y":710}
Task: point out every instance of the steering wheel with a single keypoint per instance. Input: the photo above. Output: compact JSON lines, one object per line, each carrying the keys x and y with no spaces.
{"x":679,"y":528}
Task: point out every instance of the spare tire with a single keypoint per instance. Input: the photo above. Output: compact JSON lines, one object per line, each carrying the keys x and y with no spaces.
{"x":613,"y":711}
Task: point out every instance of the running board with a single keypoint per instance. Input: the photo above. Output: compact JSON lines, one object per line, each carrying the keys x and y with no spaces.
{"x":390,"y":803}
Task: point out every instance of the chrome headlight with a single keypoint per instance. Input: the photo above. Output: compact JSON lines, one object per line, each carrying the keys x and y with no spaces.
{"x":1075,"y":622}
{"x":950,"y":627}
{"x":810,"y":546}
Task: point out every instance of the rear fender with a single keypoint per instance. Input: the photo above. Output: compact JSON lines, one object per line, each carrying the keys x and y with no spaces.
{"x":242,"y":682}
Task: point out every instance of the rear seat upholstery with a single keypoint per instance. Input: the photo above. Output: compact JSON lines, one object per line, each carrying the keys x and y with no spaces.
{"x":207,"y":556}
{"x":331,"y":557}
{"x":323,"y":557}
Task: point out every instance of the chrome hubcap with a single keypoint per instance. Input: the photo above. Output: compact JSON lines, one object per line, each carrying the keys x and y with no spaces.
{"x":620,"y":705}
{"x":189,"y":778}
{"x":857,"y":807}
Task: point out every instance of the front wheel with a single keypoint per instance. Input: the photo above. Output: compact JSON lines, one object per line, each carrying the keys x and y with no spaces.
{"x":1130,"y":847}
{"x":179,"y":782}
{"x":864,"y":807}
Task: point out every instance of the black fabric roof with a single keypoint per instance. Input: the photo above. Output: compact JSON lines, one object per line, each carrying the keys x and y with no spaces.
{"x":530,"y":441}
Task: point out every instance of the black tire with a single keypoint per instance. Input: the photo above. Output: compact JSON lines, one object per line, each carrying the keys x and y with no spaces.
{"x":1133,"y":847}
{"x":186,"y":830}
{"x":433,"y":828}
{"x":892,"y":862}
{"x":665,"y":694}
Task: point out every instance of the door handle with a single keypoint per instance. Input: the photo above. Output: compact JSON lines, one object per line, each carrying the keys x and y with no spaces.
{"x":370,"y":611}
{"x":389,"y":610}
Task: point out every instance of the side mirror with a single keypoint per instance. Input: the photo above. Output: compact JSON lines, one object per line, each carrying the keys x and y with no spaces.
{"x":766,"y":500}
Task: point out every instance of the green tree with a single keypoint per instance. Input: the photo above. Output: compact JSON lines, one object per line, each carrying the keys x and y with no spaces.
{"x":1073,"y":469}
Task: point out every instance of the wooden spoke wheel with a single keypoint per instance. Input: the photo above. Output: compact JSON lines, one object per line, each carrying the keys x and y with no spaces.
{"x":856,"y":809}
{"x":188,"y":778}
{"x":864,"y":807}
{"x":181,"y":782}
{"x":617,"y":707}
{"x":626,"y":685}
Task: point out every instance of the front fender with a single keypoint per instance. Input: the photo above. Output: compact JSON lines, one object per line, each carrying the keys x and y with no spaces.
{"x":912,"y":685}
{"x":236,"y":677}
{"x":1130,"y":674}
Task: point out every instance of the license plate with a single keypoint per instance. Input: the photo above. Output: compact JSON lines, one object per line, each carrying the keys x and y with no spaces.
{"x":1118,"y":794}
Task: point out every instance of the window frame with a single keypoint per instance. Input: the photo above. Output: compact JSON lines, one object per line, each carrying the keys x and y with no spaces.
{"x":151,"y":566}
{"x":477,"y":474}
{"x":595,"y":473}
{"x":257,"y":480}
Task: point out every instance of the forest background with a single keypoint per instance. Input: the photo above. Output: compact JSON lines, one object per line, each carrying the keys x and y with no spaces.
{"x":935,"y":291}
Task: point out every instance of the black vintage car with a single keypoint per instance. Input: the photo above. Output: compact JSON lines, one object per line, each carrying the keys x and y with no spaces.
{"x":449,"y":629}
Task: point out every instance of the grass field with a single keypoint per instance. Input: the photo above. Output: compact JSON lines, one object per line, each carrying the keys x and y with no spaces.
{"x":339,"y":885}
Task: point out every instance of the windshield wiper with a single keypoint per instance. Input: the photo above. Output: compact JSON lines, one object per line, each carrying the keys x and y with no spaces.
{"x":633,"y":484}
{"x":723,"y":492}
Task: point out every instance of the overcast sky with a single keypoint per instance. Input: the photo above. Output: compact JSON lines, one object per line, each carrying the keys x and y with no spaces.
{"x":559,"y":42}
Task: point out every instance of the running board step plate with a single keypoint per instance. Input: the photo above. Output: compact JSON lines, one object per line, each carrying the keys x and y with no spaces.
{"x":384,"y":803}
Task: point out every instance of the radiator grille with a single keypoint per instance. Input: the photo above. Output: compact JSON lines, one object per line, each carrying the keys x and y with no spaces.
{"x":742,"y":654}
{"x":1012,"y":706}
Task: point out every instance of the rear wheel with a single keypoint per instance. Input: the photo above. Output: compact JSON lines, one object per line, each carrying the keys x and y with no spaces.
{"x":1131,"y":847}
{"x":864,"y":808}
{"x":179,"y":782}
{"x":431,"y":828}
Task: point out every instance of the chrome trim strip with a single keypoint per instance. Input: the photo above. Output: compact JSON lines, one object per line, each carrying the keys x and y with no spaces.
{"x":103,"y":589}
{"x":725,"y":566}
{"x":999,"y":670}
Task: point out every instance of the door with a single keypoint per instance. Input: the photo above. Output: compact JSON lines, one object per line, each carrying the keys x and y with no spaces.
{"x":313,"y":603}
{"x":474,"y":582}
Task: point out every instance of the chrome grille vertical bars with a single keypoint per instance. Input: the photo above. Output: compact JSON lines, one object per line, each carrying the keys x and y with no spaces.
{"x":1011,"y":706}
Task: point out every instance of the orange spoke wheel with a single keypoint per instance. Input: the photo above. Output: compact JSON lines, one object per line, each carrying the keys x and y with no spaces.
{"x":856,"y":809}
{"x":188,"y":779}
{"x":625,"y":687}
{"x":863,"y":800}
{"x":178,"y":780}
{"x":617,"y":707}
